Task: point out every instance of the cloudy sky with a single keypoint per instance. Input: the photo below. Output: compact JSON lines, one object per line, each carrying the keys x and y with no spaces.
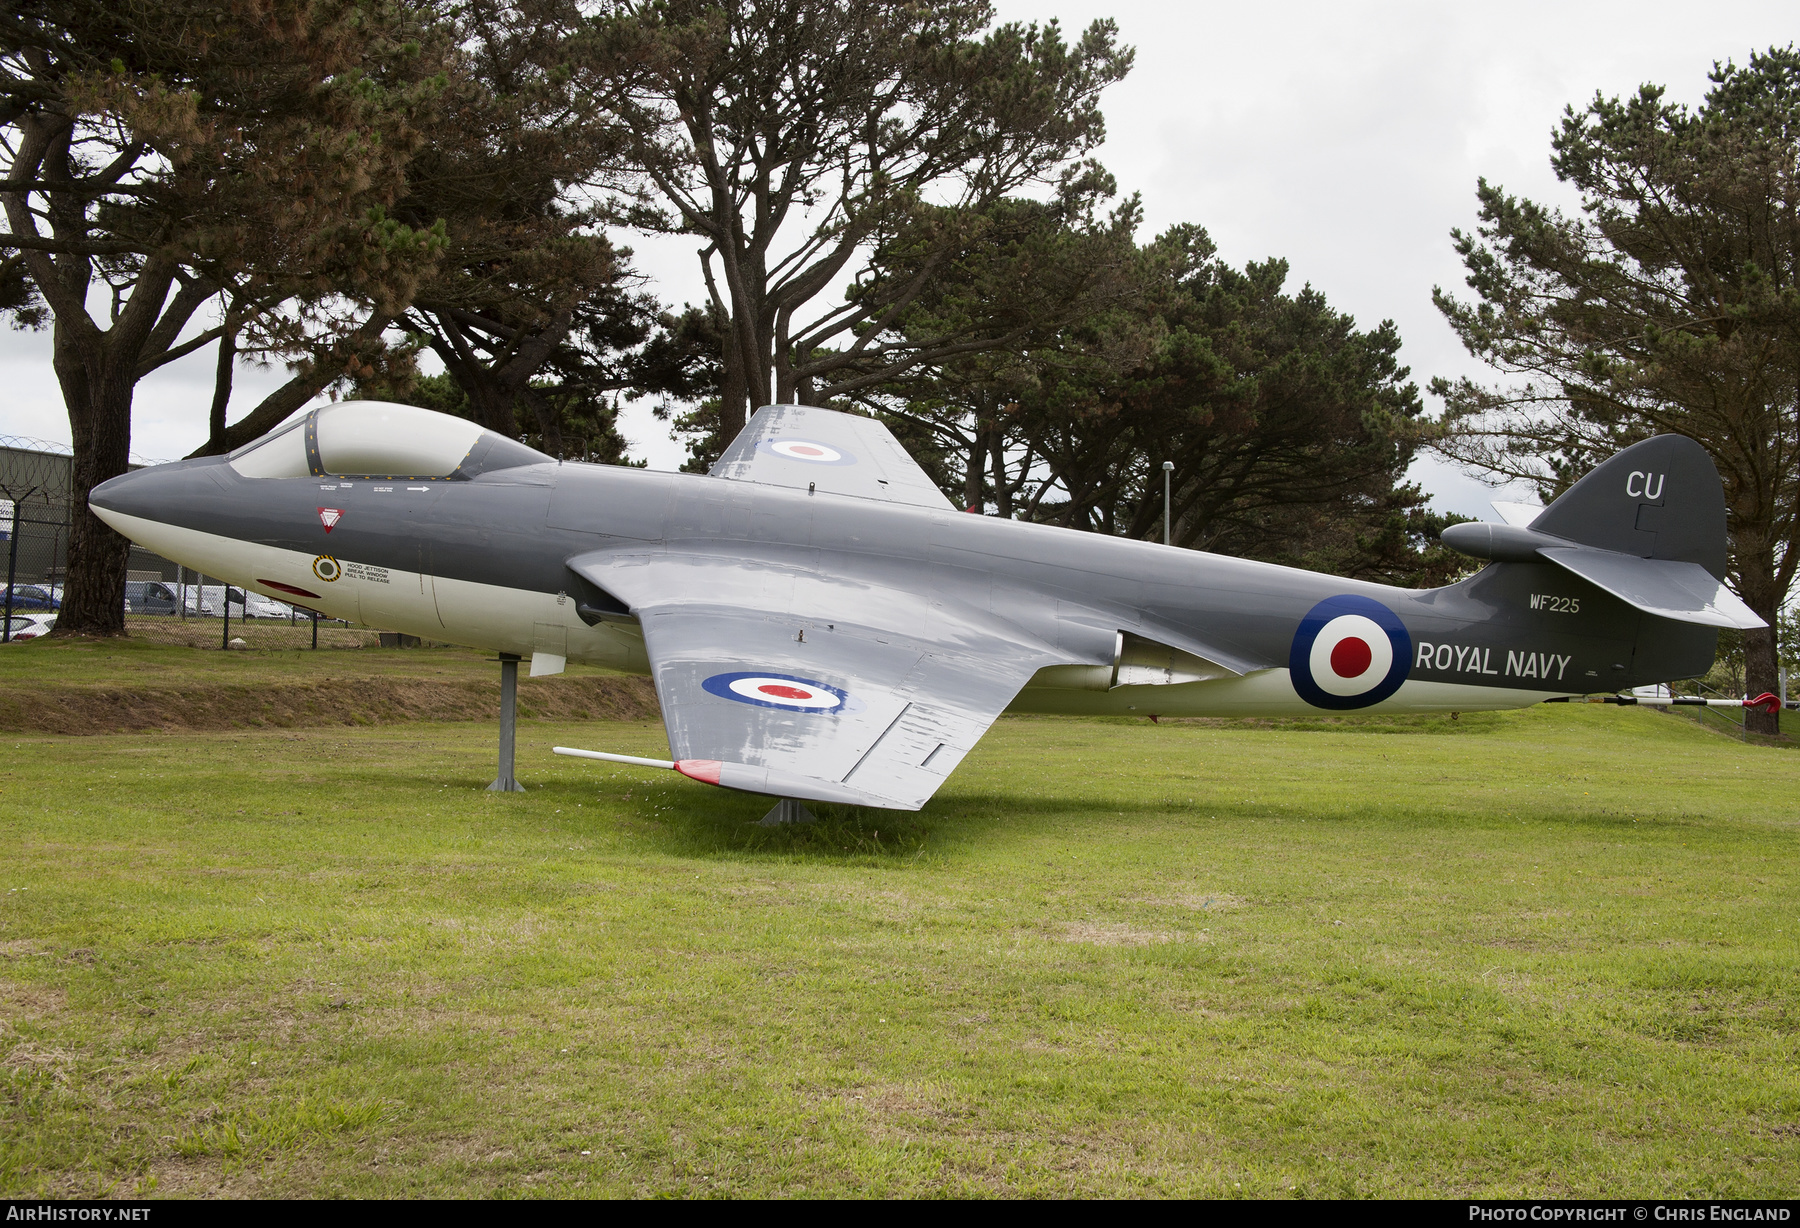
{"x":1345,"y":137}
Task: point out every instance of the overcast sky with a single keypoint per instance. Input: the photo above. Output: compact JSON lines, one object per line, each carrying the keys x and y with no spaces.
{"x":1345,"y":137}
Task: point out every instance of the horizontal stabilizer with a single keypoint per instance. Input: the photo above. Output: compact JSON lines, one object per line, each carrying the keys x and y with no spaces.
{"x":835,"y":453}
{"x":1684,"y":592}
{"x":1518,"y":515}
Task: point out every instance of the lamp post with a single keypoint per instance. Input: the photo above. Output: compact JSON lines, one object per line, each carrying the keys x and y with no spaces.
{"x":1168,"y":469}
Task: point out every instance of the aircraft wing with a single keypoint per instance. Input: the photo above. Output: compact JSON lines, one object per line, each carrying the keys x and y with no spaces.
{"x":872,"y":699}
{"x":842,"y":454}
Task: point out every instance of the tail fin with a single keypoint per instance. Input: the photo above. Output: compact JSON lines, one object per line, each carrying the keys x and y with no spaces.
{"x":1659,"y":499}
{"x":1647,"y":526}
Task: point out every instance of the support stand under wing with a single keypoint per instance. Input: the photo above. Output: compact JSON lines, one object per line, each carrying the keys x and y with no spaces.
{"x":787,"y":810}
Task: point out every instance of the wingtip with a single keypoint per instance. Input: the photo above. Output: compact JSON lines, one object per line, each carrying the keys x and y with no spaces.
{"x":704,"y":770}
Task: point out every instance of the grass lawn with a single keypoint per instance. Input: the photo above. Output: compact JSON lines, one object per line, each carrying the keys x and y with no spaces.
{"x":1552,"y":952}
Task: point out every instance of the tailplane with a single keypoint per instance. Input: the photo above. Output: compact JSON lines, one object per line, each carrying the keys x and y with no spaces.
{"x":1647,"y":526}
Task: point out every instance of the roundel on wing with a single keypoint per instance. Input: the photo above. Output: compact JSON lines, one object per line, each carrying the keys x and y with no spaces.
{"x":809,"y":450}
{"x":780,"y":691}
{"x":1350,"y":652}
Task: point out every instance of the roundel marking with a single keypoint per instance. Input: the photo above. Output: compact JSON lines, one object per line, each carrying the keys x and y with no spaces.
{"x":1349,"y":652}
{"x":327,"y":568}
{"x":780,"y":691}
{"x":809,"y":450}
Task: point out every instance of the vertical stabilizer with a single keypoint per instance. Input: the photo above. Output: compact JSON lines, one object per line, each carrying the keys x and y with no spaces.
{"x":1659,"y":499}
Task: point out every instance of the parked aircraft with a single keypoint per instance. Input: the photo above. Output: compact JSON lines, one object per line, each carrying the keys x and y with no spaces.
{"x":822,"y":624}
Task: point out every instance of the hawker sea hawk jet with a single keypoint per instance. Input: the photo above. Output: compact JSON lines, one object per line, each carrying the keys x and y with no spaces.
{"x":822,"y":624}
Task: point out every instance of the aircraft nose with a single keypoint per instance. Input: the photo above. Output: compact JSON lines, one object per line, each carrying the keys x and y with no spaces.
{"x":159,"y":492}
{"x":112,"y":494}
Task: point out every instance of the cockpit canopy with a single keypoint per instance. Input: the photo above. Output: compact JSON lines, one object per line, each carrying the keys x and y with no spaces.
{"x":377,"y":439}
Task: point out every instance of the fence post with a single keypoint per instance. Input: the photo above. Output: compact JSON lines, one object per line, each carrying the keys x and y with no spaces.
{"x":12,"y":570}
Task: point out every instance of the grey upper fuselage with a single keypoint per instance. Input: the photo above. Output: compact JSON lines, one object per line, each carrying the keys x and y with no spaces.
{"x":516,"y":528}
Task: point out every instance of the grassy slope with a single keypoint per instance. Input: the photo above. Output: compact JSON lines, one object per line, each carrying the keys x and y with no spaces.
{"x":1550,"y":952}
{"x":276,"y":658}
{"x":111,"y":686}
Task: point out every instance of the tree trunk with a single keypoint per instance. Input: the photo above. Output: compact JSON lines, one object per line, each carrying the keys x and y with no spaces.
{"x":732,"y":391}
{"x":975,"y":471}
{"x":550,"y":432}
{"x":1003,"y":486}
{"x":1758,"y":586}
{"x":98,"y":397}
{"x":1762,"y":674}
{"x":493,"y":406}
{"x":313,"y":379}
{"x":222,"y":373}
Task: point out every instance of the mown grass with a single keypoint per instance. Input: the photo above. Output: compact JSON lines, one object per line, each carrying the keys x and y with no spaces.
{"x":1551,"y":952}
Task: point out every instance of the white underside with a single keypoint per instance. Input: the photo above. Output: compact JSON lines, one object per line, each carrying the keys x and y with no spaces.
{"x":542,"y":626}
{"x":545,"y":628}
{"x":1266,"y":692}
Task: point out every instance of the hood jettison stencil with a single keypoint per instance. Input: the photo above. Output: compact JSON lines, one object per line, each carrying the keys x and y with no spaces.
{"x":822,"y":624}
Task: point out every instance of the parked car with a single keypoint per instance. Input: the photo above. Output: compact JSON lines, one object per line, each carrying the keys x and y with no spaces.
{"x":152,"y":597}
{"x":255,"y":605}
{"x":31,"y":597}
{"x":30,"y":626}
{"x":258,"y":606}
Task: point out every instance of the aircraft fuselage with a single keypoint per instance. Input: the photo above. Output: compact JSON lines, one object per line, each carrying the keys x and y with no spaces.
{"x":484,"y":562}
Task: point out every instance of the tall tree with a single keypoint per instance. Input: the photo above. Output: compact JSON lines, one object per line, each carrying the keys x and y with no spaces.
{"x":622,"y":350}
{"x":1290,"y":429}
{"x":525,"y":145}
{"x":1039,"y":274}
{"x":789,"y":136}
{"x":162,"y":152}
{"x":1672,"y":304}
{"x":531,"y":309}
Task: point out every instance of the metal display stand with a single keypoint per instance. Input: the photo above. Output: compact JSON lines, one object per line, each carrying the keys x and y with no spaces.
{"x":787,"y":810}
{"x":509,"y":711}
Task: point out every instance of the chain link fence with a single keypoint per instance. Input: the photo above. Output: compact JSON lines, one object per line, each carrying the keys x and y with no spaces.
{"x":36,"y":507}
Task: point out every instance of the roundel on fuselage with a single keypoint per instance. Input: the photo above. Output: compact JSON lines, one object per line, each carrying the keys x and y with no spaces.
{"x":1350,"y":652}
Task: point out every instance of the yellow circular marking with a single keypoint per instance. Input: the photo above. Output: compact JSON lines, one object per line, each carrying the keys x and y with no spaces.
{"x":327,"y":568}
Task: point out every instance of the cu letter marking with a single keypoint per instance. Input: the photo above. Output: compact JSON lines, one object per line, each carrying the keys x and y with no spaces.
{"x":1643,"y":481}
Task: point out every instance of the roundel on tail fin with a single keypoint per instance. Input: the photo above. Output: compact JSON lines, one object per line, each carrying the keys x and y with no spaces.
{"x":1349,"y":652}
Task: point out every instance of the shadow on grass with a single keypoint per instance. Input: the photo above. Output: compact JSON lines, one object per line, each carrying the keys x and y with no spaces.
{"x":718,"y":824}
